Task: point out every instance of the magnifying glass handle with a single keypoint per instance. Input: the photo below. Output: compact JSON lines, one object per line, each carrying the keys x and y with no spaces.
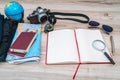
{"x":111,"y":60}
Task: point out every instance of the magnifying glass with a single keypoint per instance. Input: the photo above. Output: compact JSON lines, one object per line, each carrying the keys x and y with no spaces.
{"x":100,"y":46}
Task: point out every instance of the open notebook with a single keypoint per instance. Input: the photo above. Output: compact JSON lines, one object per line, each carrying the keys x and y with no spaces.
{"x":74,"y":46}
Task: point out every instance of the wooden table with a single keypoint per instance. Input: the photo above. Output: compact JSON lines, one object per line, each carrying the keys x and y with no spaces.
{"x":103,"y":11}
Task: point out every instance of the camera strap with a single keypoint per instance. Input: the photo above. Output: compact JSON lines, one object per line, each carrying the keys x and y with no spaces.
{"x":86,"y":18}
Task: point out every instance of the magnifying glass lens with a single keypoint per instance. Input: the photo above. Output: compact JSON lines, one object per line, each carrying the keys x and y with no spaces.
{"x":99,"y":45}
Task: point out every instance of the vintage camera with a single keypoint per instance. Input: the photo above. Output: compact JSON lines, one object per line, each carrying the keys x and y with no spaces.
{"x":39,"y":15}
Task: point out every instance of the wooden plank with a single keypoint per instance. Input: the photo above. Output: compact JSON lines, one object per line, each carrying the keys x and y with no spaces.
{"x":103,"y":11}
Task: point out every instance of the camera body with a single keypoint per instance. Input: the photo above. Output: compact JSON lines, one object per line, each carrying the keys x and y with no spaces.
{"x":39,"y":15}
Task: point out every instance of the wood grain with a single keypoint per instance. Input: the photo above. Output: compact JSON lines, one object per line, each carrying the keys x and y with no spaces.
{"x":103,"y":11}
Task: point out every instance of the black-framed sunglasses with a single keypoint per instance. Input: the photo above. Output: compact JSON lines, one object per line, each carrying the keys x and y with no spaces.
{"x":106,"y":28}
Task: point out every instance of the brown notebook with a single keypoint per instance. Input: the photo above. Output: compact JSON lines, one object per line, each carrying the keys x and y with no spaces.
{"x":23,"y":42}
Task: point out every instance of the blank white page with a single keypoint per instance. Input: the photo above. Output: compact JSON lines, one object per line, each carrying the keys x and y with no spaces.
{"x":85,"y":38}
{"x":61,"y":47}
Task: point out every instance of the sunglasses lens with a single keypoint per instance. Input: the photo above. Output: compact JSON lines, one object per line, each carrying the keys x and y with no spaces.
{"x":107,"y":28}
{"x":94,"y":24}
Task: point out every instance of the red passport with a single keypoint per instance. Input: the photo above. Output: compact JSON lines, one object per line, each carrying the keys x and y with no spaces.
{"x":17,"y":53}
{"x":23,"y":42}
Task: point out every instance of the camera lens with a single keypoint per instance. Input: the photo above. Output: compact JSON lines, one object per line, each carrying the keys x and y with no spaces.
{"x":42,"y":18}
